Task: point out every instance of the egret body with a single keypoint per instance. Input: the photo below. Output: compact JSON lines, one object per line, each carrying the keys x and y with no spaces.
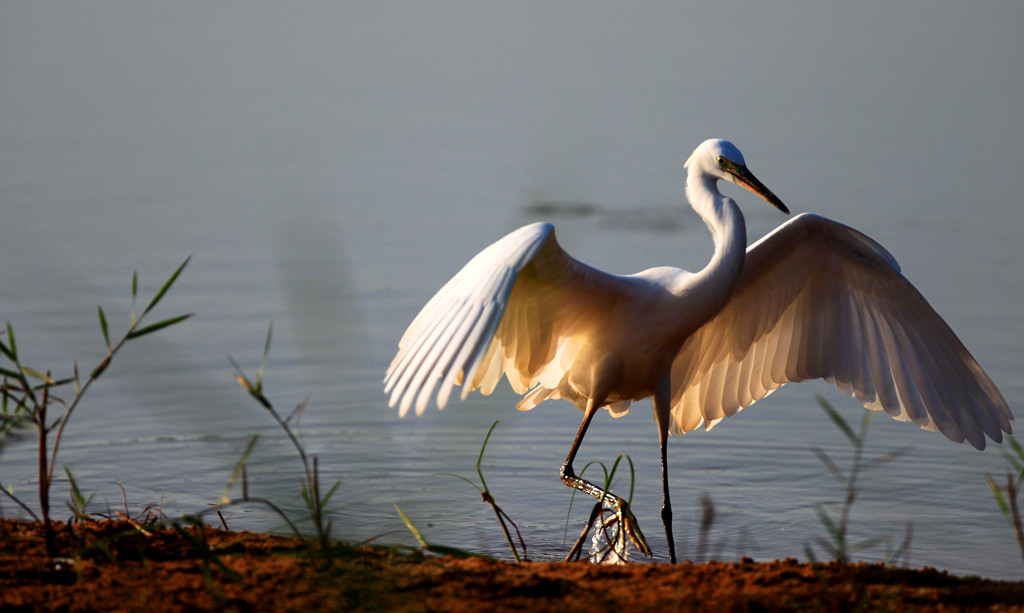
{"x":813,"y":299}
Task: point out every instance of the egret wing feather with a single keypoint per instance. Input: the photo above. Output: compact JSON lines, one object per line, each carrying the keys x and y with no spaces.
{"x":451,"y":334}
{"x":819,"y":300}
{"x":512,"y":311}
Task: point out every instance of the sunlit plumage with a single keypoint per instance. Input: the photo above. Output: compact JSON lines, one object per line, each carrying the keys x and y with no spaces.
{"x":813,"y":299}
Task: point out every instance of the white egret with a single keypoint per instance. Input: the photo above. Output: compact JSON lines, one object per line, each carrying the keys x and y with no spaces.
{"x":813,"y":299}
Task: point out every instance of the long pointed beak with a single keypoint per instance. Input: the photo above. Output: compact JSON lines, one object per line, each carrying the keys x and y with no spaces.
{"x":747,"y":179}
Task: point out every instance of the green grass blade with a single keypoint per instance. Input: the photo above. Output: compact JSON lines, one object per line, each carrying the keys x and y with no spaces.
{"x":826,"y":520}
{"x":250,"y":387}
{"x":330,"y":493}
{"x":237,"y":472}
{"x":21,"y":404}
{"x":79,"y":502}
{"x":160,"y":325}
{"x":1018,"y":464}
{"x":163,"y":290}
{"x":810,"y":554}
{"x":7,"y":352}
{"x":75,"y":491}
{"x":1017,"y":447}
{"x":263,"y":359}
{"x":829,"y":548}
{"x":480,"y":458}
{"x":438,"y":549}
{"x":870,"y":543}
{"x":830,"y":465}
{"x":838,"y":420}
{"x":477,"y":487}
{"x":8,"y":491}
{"x":604,"y":469}
{"x":103,"y":327}
{"x":997,"y":493}
{"x":898,"y":553}
{"x":239,"y":373}
{"x":54,"y":383}
{"x":632,"y":473}
{"x":296,"y":412}
{"x":885,"y":458}
{"x":35,"y":374}
{"x":411,"y":526}
{"x":1014,"y":463}
{"x":12,"y":346}
{"x":135,"y":294}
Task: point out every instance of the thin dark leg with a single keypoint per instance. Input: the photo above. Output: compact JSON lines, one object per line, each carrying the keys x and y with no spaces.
{"x":662,"y":416}
{"x":569,"y":477}
{"x":666,"y":504}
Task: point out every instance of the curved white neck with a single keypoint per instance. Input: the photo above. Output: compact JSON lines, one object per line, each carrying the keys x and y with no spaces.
{"x":711,"y":287}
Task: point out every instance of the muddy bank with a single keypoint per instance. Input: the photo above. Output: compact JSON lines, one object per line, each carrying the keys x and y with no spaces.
{"x":115,"y":566}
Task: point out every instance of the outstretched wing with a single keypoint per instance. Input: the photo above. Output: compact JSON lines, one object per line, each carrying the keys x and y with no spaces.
{"x":510,"y":311}
{"x":819,"y":300}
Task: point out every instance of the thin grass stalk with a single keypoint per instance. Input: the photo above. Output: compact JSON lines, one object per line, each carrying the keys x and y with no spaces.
{"x":707,"y":519}
{"x":489,"y":498}
{"x":20,"y":503}
{"x":1012,"y":487}
{"x":577,"y":548}
{"x":841,"y":548}
{"x":311,"y":485}
{"x":37,"y":408}
{"x":499,"y":513}
{"x":312,"y":479}
{"x":95,"y":374}
{"x":44,"y":481}
{"x":851,"y":491}
{"x":132,"y":333}
{"x":424,"y":544}
{"x":317,"y":507}
{"x":278,"y":511}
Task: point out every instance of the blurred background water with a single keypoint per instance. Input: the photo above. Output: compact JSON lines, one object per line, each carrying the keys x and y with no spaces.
{"x":330,"y":165}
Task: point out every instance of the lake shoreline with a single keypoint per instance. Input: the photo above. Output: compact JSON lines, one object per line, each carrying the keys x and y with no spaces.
{"x":125,"y":566}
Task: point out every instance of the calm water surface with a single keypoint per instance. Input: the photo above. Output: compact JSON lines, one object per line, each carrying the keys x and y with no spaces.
{"x":330,"y":166}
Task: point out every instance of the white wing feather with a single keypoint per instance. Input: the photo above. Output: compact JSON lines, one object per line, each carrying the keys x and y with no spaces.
{"x":454,"y":330}
{"x":513,"y":310}
{"x":817,"y":299}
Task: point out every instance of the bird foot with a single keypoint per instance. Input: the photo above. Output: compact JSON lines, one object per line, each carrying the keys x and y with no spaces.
{"x":631,"y":527}
{"x":628,"y":526}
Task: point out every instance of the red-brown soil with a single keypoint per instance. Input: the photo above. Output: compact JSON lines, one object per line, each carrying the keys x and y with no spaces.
{"x":114,"y":566}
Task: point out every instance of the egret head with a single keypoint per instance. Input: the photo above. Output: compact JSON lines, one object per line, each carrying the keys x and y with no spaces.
{"x":720,"y":159}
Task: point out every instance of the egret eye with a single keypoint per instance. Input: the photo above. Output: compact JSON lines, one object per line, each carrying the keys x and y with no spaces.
{"x":721,"y":160}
